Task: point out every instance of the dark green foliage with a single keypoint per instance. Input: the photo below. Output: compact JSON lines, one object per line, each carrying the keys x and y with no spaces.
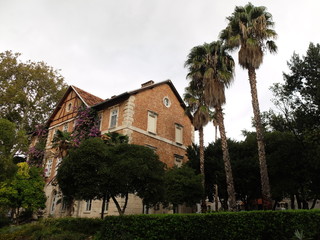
{"x":11,"y":142}
{"x":53,"y":229}
{"x":137,"y":169}
{"x":81,"y":225}
{"x":183,"y":186}
{"x":298,"y":116}
{"x":97,"y":170}
{"x":80,"y":175}
{"x":4,"y":220}
{"x":264,"y":225}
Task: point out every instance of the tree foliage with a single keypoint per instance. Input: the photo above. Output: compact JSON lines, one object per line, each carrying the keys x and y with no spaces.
{"x":29,"y":90}
{"x":183,"y":186}
{"x":97,"y":170}
{"x":25,"y":191}
{"x":12,"y":141}
{"x":297,"y":101}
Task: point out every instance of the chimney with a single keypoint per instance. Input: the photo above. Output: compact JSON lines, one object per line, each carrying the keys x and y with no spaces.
{"x":151,"y":82}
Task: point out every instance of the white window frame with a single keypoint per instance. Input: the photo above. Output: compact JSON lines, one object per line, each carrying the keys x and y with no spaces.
{"x":88,"y":205}
{"x":48,"y":168}
{"x":65,"y":127}
{"x":58,"y":162}
{"x":152,"y":122}
{"x":53,"y":202}
{"x":99,"y":122}
{"x":179,"y":133}
{"x":151,"y":147}
{"x":178,"y":160}
{"x":114,"y":115}
{"x":166,"y":101}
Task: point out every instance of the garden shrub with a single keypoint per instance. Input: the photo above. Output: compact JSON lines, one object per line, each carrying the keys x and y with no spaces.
{"x":53,"y":229}
{"x":256,"y":225}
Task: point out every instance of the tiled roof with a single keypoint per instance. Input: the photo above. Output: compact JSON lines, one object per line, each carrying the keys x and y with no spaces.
{"x":88,"y":97}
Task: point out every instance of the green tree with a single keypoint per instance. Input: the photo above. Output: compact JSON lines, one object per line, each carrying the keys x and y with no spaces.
{"x":80,"y":174}
{"x":29,"y":90}
{"x":12,"y":142}
{"x":24,"y":191}
{"x":183,"y":186}
{"x":250,"y":29}
{"x":96,"y":170}
{"x":298,"y":114}
{"x":136,"y":170}
{"x":211,"y":64}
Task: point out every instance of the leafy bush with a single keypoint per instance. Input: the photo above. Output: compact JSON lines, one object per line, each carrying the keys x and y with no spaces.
{"x":53,"y":229}
{"x":257,"y":225}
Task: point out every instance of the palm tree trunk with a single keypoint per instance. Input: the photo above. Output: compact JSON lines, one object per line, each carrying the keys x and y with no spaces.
{"x":265,"y":185}
{"x":226,"y":160}
{"x":201,"y":150}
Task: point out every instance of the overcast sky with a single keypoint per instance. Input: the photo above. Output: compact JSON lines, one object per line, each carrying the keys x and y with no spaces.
{"x":107,"y":47}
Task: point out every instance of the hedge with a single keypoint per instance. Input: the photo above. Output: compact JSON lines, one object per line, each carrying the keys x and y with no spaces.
{"x":256,"y":225}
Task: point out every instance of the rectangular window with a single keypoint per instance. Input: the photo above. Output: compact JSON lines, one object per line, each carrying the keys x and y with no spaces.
{"x":48,"y":167}
{"x":178,"y":160}
{"x":58,"y":162}
{"x":88,"y":205}
{"x":113,"y":117}
{"x":63,"y":204}
{"x":152,"y":122}
{"x":179,"y":133}
{"x":65,"y":127}
{"x":99,"y":121}
{"x":152,"y":147}
{"x":53,"y":133}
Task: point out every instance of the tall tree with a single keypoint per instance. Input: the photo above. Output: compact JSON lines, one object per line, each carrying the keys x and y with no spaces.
{"x":298,"y":112}
{"x":29,"y":90}
{"x":12,"y":142}
{"x":214,"y":67}
{"x":196,"y":105}
{"x":250,"y":29}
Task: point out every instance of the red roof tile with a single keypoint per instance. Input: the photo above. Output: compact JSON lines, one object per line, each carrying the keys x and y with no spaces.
{"x":88,"y":97}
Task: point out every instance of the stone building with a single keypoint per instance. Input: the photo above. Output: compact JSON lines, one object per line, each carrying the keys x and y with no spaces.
{"x":153,"y":116}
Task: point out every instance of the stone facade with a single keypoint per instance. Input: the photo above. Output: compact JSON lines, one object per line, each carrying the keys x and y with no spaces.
{"x":152,"y":116}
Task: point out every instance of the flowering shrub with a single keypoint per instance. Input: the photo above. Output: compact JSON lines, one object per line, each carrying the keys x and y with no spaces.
{"x":86,"y":126}
{"x":36,"y":153}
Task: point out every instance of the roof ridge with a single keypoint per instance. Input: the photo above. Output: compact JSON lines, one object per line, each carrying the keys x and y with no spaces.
{"x":87,"y":97}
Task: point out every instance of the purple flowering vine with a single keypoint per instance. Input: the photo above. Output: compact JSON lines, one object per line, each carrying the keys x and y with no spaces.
{"x":86,"y":126}
{"x":36,"y":153}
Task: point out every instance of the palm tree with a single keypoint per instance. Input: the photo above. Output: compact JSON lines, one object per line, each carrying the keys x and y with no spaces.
{"x":211,"y":64}
{"x":194,"y":98}
{"x":249,"y":28}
